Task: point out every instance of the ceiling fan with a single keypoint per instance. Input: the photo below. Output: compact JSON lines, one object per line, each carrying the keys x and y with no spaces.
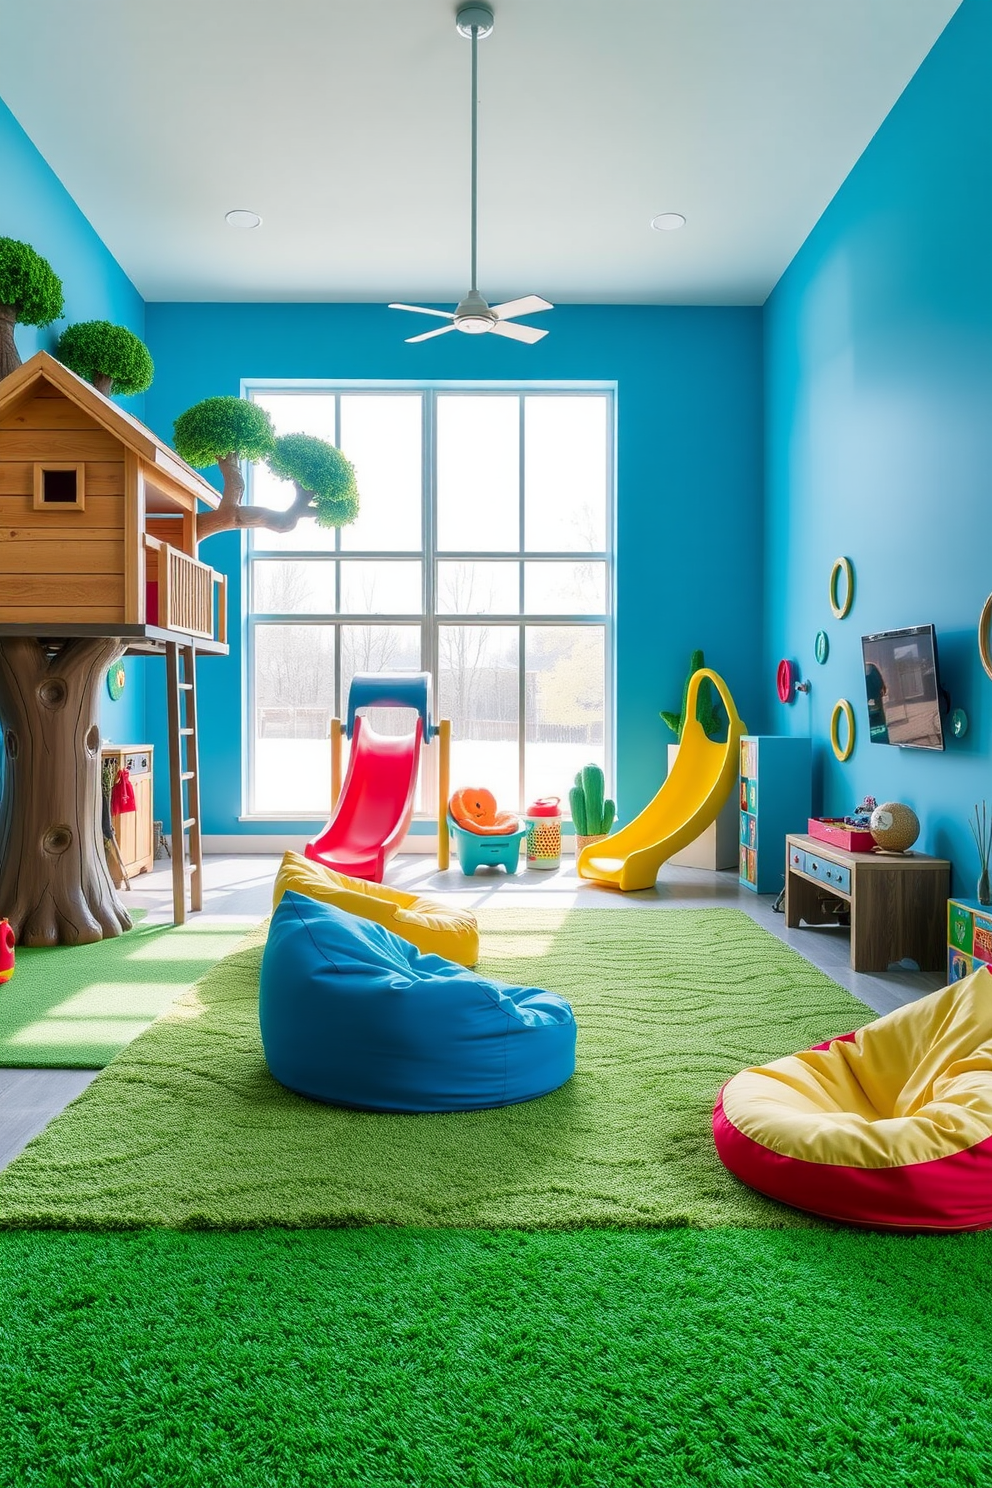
{"x":472,"y":314}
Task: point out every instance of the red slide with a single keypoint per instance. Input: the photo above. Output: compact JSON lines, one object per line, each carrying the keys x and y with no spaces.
{"x":376,"y":803}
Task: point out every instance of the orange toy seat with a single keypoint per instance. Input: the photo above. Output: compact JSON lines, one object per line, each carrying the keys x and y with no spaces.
{"x":475,"y":811}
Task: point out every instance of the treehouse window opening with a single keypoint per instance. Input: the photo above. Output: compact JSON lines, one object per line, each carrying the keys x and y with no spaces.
{"x":58,"y":485}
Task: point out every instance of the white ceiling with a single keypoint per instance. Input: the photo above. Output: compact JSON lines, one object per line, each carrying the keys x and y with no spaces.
{"x":345,"y":124}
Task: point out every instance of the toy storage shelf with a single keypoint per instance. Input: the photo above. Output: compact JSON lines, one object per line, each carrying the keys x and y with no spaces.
{"x":969,"y":937}
{"x":775,"y":798}
{"x":896,"y":900}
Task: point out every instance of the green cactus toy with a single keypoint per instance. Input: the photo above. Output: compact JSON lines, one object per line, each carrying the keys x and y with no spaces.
{"x":706,"y":711}
{"x":591,"y":815}
{"x":577,"y":802}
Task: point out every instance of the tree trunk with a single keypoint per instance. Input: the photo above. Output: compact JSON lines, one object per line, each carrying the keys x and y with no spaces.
{"x":9,"y":359}
{"x":103,"y":383}
{"x":55,"y":888}
{"x":231,"y":513}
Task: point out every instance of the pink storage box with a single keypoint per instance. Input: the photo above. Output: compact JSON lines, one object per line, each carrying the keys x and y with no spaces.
{"x":830,"y":829}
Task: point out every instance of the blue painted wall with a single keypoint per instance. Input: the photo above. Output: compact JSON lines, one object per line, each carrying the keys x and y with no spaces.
{"x":689,"y":472}
{"x":123,"y":721}
{"x":36,"y":208}
{"x":879,"y":434}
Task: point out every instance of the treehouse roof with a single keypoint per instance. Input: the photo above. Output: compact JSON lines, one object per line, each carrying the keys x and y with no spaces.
{"x":41,"y":369}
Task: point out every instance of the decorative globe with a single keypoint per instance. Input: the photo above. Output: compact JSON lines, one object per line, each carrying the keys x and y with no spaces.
{"x":894,"y":826}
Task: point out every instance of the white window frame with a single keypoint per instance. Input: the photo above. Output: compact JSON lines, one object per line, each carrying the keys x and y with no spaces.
{"x":253,"y":548}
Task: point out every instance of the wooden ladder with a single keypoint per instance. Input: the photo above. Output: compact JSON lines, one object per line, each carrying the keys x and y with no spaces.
{"x":184,"y":779}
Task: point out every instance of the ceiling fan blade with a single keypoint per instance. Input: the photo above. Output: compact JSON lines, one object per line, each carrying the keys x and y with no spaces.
{"x":423,"y":310}
{"x":514,"y":332}
{"x":441,"y":331}
{"x":528,"y":305}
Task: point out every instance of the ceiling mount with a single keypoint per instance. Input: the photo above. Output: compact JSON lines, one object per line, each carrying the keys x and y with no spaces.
{"x":473,"y":315}
{"x":474,"y":17}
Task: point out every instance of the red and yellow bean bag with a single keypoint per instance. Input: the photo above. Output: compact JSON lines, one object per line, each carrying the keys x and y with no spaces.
{"x":889,"y":1127}
{"x":435,"y":929}
{"x":475,"y":811}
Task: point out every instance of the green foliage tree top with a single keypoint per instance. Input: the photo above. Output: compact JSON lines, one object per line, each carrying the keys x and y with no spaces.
{"x":322,"y":469}
{"x":707,"y":707}
{"x":29,"y":283}
{"x":110,"y":356}
{"x":219,"y":428}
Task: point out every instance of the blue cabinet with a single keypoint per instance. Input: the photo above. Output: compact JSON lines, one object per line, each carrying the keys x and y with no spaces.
{"x":776,"y":796}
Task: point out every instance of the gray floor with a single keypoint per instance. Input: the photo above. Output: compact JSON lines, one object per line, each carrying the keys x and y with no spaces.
{"x":238,"y":891}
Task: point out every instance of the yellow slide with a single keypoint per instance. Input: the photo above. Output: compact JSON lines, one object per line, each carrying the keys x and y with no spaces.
{"x":698,"y":784}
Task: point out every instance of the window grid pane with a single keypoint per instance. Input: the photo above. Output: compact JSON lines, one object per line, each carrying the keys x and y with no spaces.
{"x":511,"y":474}
{"x":564,"y":671}
{"x":293,"y":707}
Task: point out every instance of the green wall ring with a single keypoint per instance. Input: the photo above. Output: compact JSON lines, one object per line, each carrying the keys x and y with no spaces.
{"x":984,"y":648}
{"x":821,"y":646}
{"x":841,"y":606}
{"x":116,"y":680}
{"x":842,"y":709}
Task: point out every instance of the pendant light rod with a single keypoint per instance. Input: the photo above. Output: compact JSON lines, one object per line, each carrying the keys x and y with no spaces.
{"x":475,"y":157}
{"x":475,"y":22}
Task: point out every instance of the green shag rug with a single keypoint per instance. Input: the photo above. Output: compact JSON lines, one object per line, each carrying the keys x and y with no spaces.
{"x":76,"y":1007}
{"x":187,"y":1128}
{"x":377,"y":1358}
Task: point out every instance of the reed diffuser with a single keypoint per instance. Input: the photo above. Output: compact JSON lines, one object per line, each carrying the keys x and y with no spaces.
{"x":981,"y":830}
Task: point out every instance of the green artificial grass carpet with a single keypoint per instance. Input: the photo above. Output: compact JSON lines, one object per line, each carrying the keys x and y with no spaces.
{"x":76,"y":1007}
{"x":448,"y":1359}
{"x":187,"y":1128}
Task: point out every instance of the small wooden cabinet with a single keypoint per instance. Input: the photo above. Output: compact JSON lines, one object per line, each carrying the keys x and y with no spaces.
{"x":897,"y":902}
{"x":133,"y":829}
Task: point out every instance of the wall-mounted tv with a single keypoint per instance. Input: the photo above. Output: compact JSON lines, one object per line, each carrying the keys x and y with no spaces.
{"x":903,"y":687}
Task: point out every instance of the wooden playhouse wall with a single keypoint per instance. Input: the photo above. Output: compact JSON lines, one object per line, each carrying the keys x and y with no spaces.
{"x":60,"y":565}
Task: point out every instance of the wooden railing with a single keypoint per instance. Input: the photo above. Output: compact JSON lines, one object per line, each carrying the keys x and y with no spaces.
{"x":185,"y":592}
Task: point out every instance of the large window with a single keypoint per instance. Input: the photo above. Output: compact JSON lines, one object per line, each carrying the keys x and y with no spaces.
{"x":482,"y":553}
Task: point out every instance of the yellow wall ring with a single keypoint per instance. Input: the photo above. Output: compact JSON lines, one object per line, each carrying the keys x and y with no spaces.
{"x":842,"y":709}
{"x":841,"y":607}
{"x":984,"y":649}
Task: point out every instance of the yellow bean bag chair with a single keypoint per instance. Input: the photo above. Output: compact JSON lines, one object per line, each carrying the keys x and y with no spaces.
{"x":889,"y":1127}
{"x":433,"y":928}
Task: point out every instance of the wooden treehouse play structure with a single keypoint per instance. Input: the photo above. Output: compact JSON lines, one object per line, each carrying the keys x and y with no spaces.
{"x":97,"y":561}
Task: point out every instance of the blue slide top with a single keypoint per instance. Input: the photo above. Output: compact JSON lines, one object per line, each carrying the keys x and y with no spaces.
{"x":391,"y":690}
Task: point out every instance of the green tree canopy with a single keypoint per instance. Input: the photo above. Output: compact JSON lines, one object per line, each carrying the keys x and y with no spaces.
{"x":229,"y":430}
{"x":30,"y":294}
{"x":29,"y":284}
{"x":110,"y":356}
{"x":321,"y":470}
{"x":223,"y":429}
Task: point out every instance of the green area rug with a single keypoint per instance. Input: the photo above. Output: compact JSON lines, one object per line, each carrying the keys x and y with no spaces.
{"x":76,"y":1007}
{"x":375,"y":1358}
{"x":188,"y":1129}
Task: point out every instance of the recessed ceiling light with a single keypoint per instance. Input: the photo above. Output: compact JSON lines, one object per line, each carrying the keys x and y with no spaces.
{"x":240,"y":218}
{"x":668,"y":221}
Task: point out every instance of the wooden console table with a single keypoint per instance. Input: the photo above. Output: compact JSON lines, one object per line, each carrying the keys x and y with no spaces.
{"x":898,"y":903}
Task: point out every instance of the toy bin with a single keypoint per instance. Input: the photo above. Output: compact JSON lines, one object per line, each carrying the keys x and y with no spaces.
{"x":482,"y":851}
{"x":544,"y":833}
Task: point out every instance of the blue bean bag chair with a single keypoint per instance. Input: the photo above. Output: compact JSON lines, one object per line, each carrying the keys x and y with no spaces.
{"x":353,"y":1015}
